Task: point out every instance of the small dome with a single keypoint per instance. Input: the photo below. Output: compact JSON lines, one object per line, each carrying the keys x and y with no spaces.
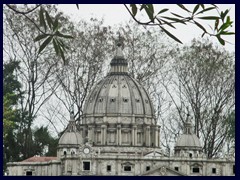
{"x":70,"y":138}
{"x":188,"y":141}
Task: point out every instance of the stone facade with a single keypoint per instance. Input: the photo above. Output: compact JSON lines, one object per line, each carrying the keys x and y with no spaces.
{"x":119,"y":135}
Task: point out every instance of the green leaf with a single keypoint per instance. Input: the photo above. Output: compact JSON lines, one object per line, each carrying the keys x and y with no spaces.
{"x":149,"y":13}
{"x":56,"y":47}
{"x":224,"y":26}
{"x":177,"y":15}
{"x":195,"y":9}
{"x":134,"y":9}
{"x":55,"y":25}
{"x":183,"y":7}
{"x":223,"y":14}
{"x":62,"y":55}
{"x":202,"y":5}
{"x":49,"y":20}
{"x":41,"y":17}
{"x":171,"y":35}
{"x":207,"y":9}
{"x":41,"y":36}
{"x":162,"y":11}
{"x":226,"y":33}
{"x":209,"y":17}
{"x":169,"y":24}
{"x":200,"y":26}
{"x":142,"y":7}
{"x":216,"y":24}
{"x":77,"y":6}
{"x":151,"y":8}
{"x":63,"y":35}
{"x":220,"y":39}
{"x":45,"y":43}
{"x":174,"y":19}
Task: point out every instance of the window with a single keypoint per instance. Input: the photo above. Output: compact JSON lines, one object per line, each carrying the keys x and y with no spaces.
{"x":176,"y":169}
{"x":127,"y":168}
{"x":233,"y":169}
{"x":214,"y":170}
{"x":109,"y":168}
{"x":125,"y":100}
{"x":124,"y":86}
{"x":147,"y":168}
{"x":190,"y":155}
{"x":137,"y":100}
{"x":195,"y":170}
{"x":112,"y":100}
{"x":100,"y":99}
{"x":86,"y":166}
{"x":64,"y":153}
{"x":28,"y":173}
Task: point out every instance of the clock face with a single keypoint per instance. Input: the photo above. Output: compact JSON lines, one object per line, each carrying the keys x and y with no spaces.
{"x":86,"y":150}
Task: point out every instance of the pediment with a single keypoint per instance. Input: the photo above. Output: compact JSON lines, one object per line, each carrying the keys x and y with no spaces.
{"x":154,"y":154}
{"x":163,"y":171}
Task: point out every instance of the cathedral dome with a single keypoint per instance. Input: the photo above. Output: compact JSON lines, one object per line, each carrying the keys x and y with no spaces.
{"x":118,"y":111}
{"x":188,"y":141}
{"x":118,"y":94}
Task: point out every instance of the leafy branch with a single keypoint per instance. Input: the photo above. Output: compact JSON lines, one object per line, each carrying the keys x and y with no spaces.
{"x":222,"y":21}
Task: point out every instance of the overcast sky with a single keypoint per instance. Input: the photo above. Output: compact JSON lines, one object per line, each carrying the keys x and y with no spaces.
{"x":116,"y":13}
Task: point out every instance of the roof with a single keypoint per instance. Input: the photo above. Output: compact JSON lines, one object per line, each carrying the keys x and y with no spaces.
{"x":70,"y":138}
{"x":188,"y":140}
{"x":39,"y":159}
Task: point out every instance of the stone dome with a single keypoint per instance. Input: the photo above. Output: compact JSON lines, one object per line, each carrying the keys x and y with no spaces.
{"x":188,"y":141}
{"x":118,"y":112}
{"x":118,"y":94}
{"x":71,"y":137}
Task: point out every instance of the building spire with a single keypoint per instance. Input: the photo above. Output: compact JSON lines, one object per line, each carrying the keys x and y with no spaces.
{"x":72,"y":124}
{"x":119,"y":64}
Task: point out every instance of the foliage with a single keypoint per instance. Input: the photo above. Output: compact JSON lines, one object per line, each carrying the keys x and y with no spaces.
{"x":222,"y":21}
{"x":50,"y":28}
{"x":204,"y":82}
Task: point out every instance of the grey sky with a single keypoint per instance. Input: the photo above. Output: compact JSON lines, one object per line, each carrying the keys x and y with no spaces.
{"x":116,"y":13}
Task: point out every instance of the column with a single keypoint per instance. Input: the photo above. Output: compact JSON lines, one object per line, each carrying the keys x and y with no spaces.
{"x":90,"y":133}
{"x":133,"y":140}
{"x":156,"y":136}
{"x":119,"y":134}
{"x":102,"y":134}
{"x":134,"y":131}
{"x":148,"y":136}
{"x":135,"y":135}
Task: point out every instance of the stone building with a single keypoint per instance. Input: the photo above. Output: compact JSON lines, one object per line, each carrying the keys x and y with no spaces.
{"x":119,"y":135}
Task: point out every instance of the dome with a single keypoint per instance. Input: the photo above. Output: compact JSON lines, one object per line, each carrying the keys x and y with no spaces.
{"x":118,"y":111}
{"x":118,"y":94}
{"x":70,"y":138}
{"x":188,"y":141}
